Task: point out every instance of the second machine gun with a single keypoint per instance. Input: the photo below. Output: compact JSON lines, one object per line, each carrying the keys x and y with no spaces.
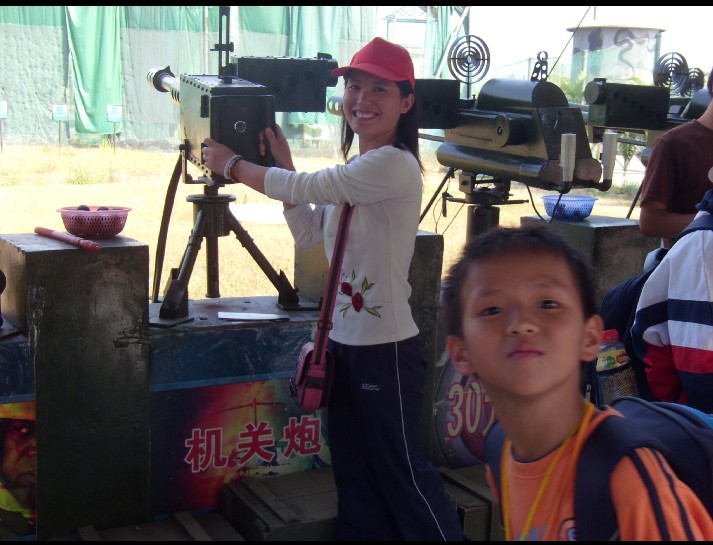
{"x":517,"y":130}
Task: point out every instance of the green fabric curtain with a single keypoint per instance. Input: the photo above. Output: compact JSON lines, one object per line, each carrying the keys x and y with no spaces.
{"x":156,"y":37}
{"x":444,"y":25}
{"x":170,"y":18}
{"x":91,"y":57}
{"x":32,"y":15}
{"x":93,"y":36}
{"x":313,"y":30}
{"x":264,"y":19}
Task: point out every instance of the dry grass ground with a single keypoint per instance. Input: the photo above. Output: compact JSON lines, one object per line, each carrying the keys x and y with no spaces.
{"x":36,"y":181}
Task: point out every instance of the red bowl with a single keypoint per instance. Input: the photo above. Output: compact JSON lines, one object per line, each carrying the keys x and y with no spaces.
{"x":94,"y":223}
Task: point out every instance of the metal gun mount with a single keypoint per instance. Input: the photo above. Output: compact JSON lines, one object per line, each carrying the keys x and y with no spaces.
{"x":677,"y":96}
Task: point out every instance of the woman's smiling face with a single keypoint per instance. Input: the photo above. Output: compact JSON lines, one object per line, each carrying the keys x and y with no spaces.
{"x":373,"y":106}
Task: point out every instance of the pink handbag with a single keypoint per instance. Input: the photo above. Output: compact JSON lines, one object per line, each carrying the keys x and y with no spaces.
{"x":315,"y":365}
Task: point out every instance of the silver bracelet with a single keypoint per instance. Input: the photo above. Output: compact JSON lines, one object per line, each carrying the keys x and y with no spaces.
{"x":229,"y":166}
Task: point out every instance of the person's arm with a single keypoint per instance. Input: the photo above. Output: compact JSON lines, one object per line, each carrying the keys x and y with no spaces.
{"x":656,"y":221}
{"x":661,"y":374}
{"x":215,"y":157}
{"x":281,"y":153}
{"x":658,"y":186}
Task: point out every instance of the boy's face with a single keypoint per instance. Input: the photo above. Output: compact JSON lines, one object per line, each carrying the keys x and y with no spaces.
{"x":524,"y":331}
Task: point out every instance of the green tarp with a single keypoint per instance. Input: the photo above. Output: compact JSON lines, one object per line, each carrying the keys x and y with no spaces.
{"x":92,"y":58}
{"x":93,"y":36}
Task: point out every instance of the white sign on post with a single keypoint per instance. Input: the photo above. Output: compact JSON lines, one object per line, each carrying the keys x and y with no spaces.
{"x":113,"y":113}
{"x":3,"y":109}
{"x":60,"y":112}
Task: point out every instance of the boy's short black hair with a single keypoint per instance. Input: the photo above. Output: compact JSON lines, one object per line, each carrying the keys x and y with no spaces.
{"x":508,"y":240}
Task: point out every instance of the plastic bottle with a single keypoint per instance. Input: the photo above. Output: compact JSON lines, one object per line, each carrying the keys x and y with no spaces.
{"x":615,"y":374}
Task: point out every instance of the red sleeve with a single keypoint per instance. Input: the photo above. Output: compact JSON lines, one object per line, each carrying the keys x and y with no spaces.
{"x":661,"y":374}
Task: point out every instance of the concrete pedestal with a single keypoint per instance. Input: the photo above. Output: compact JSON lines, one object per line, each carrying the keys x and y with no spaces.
{"x":616,"y":247}
{"x":425,"y":280}
{"x":85,"y":315}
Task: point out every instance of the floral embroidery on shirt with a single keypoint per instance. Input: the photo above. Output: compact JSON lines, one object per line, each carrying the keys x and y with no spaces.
{"x":345,"y":288}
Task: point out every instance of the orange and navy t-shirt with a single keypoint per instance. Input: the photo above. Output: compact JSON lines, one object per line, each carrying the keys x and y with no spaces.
{"x":554,"y":518}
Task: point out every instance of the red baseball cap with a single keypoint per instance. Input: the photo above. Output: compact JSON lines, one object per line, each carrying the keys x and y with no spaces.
{"x":382,"y":59}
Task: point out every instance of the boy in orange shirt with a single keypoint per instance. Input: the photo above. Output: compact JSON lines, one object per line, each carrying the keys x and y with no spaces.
{"x":520,"y":313}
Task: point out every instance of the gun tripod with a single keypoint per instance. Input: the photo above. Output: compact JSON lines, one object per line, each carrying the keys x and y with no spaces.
{"x":213,"y":219}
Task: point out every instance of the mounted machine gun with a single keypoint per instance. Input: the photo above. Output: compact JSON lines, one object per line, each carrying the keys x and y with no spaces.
{"x":231,"y":107}
{"x":516,"y":130}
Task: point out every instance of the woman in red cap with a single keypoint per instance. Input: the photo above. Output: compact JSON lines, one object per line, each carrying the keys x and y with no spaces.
{"x":387,"y":488}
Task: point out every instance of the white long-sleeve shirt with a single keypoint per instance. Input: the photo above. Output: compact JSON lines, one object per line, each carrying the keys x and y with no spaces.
{"x":385,"y":187}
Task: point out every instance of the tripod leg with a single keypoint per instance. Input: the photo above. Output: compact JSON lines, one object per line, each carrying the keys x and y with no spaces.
{"x":287,"y":295}
{"x":212,"y":267}
{"x":448,"y":175}
{"x":636,"y":198}
{"x":175,"y":304}
{"x":163,"y":231}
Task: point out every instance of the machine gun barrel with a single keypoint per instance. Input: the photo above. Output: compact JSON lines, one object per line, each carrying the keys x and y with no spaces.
{"x":163,"y":80}
{"x":498,"y":130}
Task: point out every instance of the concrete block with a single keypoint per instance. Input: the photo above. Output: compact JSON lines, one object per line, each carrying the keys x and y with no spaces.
{"x":616,"y":247}
{"x":311,"y":271}
{"x":85,"y":315}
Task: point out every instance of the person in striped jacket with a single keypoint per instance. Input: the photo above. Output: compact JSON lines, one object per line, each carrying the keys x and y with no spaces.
{"x":673,"y":329}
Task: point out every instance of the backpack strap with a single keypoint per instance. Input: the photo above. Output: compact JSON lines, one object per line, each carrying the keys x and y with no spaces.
{"x":611,"y":440}
{"x":494,"y":442}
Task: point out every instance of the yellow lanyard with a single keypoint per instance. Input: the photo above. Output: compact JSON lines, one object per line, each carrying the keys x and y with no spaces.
{"x":505,"y":503}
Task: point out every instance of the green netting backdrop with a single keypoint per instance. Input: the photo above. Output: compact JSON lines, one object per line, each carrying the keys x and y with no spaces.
{"x":91,"y":57}
{"x":94,"y":57}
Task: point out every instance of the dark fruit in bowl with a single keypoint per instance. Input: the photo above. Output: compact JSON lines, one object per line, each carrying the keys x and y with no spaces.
{"x":83,"y":207}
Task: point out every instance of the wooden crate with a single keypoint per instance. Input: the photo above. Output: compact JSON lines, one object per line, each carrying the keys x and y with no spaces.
{"x":303,"y":506}
{"x":478,"y":512}
{"x":297,"y":507}
{"x":182,"y":526}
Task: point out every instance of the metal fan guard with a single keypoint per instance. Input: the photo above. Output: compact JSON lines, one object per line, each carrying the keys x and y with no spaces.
{"x":671,"y":71}
{"x":469,"y":58}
